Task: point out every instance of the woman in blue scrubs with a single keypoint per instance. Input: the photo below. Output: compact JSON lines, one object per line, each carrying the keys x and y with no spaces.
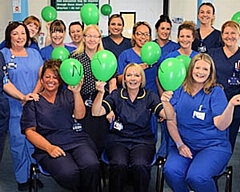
{"x":52,"y":125}
{"x":131,"y":141}
{"x":227,"y":62}
{"x":23,"y":64}
{"x":199,"y":129}
{"x":115,"y":41}
{"x":207,"y":36}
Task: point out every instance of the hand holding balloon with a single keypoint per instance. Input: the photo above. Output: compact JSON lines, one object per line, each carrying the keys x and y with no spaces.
{"x":71,"y":71}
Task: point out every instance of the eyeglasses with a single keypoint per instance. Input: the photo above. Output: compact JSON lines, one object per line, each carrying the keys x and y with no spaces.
{"x":92,"y":36}
{"x":142,"y":34}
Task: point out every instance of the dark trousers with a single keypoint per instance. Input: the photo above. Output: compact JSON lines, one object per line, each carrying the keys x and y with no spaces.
{"x":4,"y":123}
{"x":97,"y":128}
{"x":138,"y":158}
{"x":78,"y":171}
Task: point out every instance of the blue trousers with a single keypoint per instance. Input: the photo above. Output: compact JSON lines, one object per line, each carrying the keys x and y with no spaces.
{"x":21,"y":151}
{"x":198,"y":173}
{"x":139,"y":157}
{"x":78,"y":170}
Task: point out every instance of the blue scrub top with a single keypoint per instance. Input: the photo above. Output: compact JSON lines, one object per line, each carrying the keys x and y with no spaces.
{"x":46,"y":52}
{"x":213,"y":40}
{"x":33,"y":45}
{"x":225,"y":66}
{"x":53,"y":121}
{"x":177,"y":53}
{"x":115,"y":48}
{"x":24,"y":76}
{"x":130,"y":56}
{"x":195,"y":118}
{"x":135,"y":116}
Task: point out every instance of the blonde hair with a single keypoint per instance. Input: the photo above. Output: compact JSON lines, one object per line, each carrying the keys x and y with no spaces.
{"x":211,"y":80}
{"x":82,"y":45}
{"x":140,"y":71}
{"x":232,"y":24}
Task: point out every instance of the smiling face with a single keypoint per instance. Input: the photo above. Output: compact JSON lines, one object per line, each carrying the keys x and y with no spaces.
{"x":185,"y":38}
{"x":201,"y":71}
{"x":205,"y":14}
{"x":18,"y":37}
{"x":164,"y":31}
{"x":33,"y":29}
{"x":142,"y":35}
{"x":57,"y":38}
{"x":50,"y":81}
{"x":115,"y":26}
{"x":92,"y":39}
{"x":230,"y":36}
{"x":133,"y":78}
{"x":75,"y":32}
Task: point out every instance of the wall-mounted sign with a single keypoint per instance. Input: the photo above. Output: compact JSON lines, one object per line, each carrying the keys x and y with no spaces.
{"x":71,"y":5}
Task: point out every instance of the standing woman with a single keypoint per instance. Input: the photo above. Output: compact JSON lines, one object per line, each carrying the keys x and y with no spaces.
{"x":115,"y":41}
{"x":23,"y":64}
{"x":186,"y":35}
{"x":57,"y":35}
{"x":34,"y":27}
{"x":227,"y":61}
{"x":163,"y":29}
{"x":75,"y":30}
{"x":96,"y":127}
{"x":207,"y":36}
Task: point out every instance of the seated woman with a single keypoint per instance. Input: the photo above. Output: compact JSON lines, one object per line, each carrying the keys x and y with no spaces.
{"x":51,"y":124}
{"x":199,"y":129}
{"x":131,"y":140}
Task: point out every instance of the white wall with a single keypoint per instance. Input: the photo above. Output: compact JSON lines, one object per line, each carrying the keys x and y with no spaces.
{"x":147,"y":10}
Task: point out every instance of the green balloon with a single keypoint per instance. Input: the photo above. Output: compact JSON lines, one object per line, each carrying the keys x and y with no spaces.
{"x":150,"y":53}
{"x":185,"y":60}
{"x":49,"y":13}
{"x":171,"y":74}
{"x":103,"y":65}
{"x":60,"y":53}
{"x":71,"y":71}
{"x":89,"y":14}
{"x":236,"y":17}
{"x":106,"y":9}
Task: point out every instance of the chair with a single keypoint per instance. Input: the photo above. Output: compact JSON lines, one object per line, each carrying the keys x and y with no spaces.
{"x":160,"y":177}
{"x":35,"y":169}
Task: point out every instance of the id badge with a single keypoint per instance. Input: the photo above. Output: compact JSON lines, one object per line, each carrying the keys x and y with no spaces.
{"x":233,"y":81}
{"x":117,"y":125}
{"x":77,"y":127}
{"x":88,"y":102}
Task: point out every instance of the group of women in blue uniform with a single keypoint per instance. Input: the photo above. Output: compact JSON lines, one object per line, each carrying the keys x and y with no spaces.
{"x":181,"y":141}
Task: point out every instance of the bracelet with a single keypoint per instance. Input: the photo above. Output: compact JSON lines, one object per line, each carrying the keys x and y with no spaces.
{"x":179,"y":144}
